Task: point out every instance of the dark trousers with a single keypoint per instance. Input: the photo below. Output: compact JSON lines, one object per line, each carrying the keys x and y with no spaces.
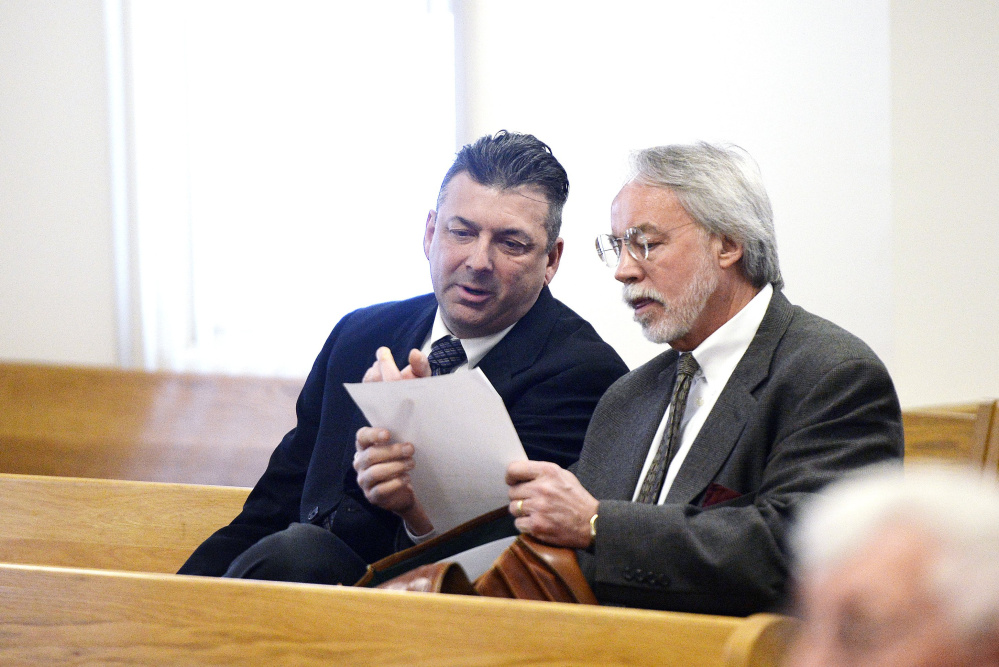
{"x":302,"y":552}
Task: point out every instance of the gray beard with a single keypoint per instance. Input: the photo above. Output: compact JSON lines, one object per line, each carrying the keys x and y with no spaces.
{"x":677,"y":319}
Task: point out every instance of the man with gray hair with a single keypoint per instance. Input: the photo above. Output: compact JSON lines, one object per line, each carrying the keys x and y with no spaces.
{"x":694,"y":463}
{"x":899,"y":569}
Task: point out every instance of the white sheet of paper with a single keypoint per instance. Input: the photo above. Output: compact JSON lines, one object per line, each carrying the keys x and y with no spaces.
{"x":462,"y":434}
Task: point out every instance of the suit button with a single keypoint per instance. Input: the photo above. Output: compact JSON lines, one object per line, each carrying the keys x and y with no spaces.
{"x":313,"y":513}
{"x":626,"y":573}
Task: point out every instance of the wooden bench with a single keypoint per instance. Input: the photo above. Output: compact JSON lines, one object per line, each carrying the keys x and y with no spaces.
{"x":955,"y":434}
{"x":109,"y":524}
{"x":124,"y":424}
{"x":154,"y":527}
{"x":55,"y":616}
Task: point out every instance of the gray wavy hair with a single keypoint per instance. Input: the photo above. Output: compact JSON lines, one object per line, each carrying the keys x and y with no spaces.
{"x":721,"y":188}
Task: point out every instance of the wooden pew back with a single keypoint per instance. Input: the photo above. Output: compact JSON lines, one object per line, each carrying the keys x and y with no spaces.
{"x":53,"y":615}
{"x":124,"y":424}
{"x":957,"y":434}
{"x":992,"y":441}
{"x":109,"y":524}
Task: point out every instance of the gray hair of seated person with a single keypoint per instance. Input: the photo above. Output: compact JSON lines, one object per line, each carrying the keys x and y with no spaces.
{"x":959,"y":508}
{"x":721,"y":188}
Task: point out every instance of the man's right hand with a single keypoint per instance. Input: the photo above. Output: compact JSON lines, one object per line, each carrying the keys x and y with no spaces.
{"x":383,"y":474}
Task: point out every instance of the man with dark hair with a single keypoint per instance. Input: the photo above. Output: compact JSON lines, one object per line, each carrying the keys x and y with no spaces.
{"x":493,"y":247}
{"x":694,"y":462}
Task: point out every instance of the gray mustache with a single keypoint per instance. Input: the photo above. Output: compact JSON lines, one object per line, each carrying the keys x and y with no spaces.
{"x":632,"y":293}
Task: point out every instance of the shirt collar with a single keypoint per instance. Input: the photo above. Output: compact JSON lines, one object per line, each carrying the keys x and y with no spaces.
{"x":475,"y":348}
{"x":719,"y":353}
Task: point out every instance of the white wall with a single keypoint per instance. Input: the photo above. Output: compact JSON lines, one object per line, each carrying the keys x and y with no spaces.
{"x":809,"y":88}
{"x":56,"y":276}
{"x":945,"y":144}
{"x":802,"y":86}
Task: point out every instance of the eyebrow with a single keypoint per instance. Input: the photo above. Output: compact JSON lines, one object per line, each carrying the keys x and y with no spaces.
{"x":646,"y":227}
{"x":506,"y":231}
{"x":466,"y":221}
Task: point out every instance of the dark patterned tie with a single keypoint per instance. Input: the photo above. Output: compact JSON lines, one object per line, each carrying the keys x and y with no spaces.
{"x":446,"y":355}
{"x":653,"y":484}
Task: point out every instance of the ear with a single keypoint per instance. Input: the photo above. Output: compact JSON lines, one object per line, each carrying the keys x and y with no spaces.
{"x":729,"y":253}
{"x":428,"y":233}
{"x":554,"y":257}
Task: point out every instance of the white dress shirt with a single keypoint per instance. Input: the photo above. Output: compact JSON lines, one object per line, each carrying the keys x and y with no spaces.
{"x":717,"y":357}
{"x":475,"y":348}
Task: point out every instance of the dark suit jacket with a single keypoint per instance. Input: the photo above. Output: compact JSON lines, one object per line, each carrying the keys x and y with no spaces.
{"x":807,"y":402}
{"x":550,"y":370}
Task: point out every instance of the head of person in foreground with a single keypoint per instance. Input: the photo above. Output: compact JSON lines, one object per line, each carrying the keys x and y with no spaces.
{"x":900,"y":568}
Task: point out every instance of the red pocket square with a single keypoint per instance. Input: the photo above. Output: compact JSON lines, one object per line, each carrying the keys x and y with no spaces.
{"x":717,"y":493}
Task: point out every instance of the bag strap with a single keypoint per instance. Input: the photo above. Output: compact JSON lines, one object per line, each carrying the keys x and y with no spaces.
{"x":482,"y":529}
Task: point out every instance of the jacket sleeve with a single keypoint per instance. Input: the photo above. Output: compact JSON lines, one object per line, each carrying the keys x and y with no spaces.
{"x":274,"y":503}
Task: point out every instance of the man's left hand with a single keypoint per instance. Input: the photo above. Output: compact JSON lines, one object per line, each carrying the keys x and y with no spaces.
{"x":385,"y":370}
{"x":550,"y":503}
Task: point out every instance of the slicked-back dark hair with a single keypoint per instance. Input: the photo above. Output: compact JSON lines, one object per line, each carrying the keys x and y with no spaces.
{"x":508,"y":160}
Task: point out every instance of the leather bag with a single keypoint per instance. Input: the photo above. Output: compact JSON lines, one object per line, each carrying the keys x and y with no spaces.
{"x":529,"y":569}
{"x":526,"y":570}
{"x":445,"y":577}
{"x":482,"y":529}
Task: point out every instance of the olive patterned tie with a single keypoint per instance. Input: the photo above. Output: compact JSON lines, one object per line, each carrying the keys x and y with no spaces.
{"x":653,"y":484}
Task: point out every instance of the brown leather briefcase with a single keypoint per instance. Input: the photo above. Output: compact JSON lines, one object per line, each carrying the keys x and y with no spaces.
{"x":529,"y":569}
{"x":526,"y":570}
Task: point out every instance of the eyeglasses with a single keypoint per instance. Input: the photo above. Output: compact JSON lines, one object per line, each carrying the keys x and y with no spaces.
{"x":609,"y":247}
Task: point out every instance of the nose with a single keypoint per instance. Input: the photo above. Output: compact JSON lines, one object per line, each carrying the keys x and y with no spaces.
{"x":628,"y":269}
{"x":480,"y":255}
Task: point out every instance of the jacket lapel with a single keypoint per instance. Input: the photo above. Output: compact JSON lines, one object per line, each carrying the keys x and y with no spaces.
{"x":521,"y":347}
{"x":649,"y":413}
{"x":621,"y":438}
{"x":734,"y":407}
{"x":414,"y":331}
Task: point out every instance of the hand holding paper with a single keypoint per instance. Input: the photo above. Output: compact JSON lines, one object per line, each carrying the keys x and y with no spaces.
{"x":462,"y":436}
{"x":383,"y":466}
{"x":383,"y":474}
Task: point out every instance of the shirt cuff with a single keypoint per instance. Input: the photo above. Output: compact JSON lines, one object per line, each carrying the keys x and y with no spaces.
{"x":419,"y":539}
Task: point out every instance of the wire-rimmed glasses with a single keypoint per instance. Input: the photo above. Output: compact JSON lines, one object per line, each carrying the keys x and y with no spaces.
{"x":609,"y":247}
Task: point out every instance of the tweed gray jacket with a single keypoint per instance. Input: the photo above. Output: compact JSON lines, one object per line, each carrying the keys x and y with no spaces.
{"x":807,"y":402}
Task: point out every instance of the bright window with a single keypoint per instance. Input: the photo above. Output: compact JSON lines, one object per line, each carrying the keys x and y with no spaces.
{"x":286,"y":155}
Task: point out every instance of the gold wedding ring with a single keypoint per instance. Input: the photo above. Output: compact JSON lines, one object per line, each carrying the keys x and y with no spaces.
{"x":520,"y":507}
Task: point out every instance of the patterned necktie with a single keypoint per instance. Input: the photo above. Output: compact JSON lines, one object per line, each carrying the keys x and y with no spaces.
{"x":446,"y":355}
{"x":653,"y":484}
